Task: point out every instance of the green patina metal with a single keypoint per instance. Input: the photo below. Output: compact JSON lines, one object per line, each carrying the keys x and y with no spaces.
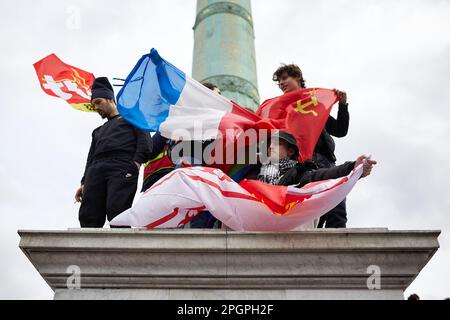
{"x":224,"y":49}
{"x":223,"y":7}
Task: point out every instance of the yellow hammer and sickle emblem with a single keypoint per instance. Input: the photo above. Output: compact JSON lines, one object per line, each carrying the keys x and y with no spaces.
{"x":301,"y":107}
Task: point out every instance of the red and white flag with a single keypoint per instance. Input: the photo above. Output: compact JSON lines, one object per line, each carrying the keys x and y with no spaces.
{"x":249,"y":206}
{"x":64,"y":81}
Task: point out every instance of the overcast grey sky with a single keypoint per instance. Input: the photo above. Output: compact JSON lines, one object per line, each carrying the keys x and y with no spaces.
{"x":392,"y":57}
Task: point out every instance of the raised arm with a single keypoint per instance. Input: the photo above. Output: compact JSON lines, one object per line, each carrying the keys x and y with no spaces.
{"x":339,"y":127}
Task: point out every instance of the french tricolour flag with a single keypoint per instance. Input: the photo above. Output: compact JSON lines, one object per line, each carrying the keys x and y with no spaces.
{"x":158,"y":97}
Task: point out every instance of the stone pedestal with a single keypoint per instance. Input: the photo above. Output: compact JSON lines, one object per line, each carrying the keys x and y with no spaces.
{"x":189,"y":264}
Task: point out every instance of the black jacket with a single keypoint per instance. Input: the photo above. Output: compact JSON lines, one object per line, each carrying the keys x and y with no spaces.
{"x":306,"y":172}
{"x":334,"y":127}
{"x":160,"y":142}
{"x":118,"y":139}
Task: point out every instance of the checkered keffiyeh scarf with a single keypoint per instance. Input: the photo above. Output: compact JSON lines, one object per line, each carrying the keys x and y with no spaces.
{"x":272,"y":172}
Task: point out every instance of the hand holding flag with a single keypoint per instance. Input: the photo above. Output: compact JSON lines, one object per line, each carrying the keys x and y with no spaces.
{"x":158,"y":97}
{"x":367,"y":164}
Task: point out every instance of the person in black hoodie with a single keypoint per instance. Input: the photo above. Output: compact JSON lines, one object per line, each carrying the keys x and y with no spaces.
{"x":117,"y":151}
{"x":284,"y":169}
{"x":324,"y":157}
{"x":290,"y":77}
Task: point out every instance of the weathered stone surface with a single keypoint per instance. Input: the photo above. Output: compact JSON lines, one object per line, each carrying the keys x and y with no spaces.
{"x":191,"y":264}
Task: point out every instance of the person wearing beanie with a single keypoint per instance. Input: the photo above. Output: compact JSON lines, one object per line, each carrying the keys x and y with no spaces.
{"x":283,"y":168}
{"x":111,"y":174}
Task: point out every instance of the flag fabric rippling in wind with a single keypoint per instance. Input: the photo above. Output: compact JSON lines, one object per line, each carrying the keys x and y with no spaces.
{"x":249,"y":206}
{"x":64,"y":81}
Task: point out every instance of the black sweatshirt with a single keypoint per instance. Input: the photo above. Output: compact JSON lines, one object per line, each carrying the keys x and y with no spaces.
{"x":118,"y":139}
{"x":303,"y":173}
{"x":334,"y":127}
{"x":306,"y":172}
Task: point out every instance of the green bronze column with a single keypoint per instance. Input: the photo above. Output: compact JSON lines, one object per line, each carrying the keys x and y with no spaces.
{"x":224,"y":49}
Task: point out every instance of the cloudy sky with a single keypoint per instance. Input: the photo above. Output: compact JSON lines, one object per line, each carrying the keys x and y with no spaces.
{"x":392,"y":57}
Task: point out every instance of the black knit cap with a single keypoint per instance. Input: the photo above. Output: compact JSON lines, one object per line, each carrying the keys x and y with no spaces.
{"x":289,"y":138}
{"x":101,"y":88}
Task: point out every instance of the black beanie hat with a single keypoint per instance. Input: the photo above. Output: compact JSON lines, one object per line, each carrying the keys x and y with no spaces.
{"x":101,"y":88}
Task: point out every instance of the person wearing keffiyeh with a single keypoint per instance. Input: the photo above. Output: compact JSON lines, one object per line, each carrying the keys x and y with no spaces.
{"x":283,"y":168}
{"x":283,"y":154}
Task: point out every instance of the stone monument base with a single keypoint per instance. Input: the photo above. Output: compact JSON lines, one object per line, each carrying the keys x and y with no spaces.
{"x":216,"y":264}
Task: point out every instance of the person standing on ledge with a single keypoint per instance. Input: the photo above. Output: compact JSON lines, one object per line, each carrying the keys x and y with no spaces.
{"x":117,"y":151}
{"x":289,"y":78}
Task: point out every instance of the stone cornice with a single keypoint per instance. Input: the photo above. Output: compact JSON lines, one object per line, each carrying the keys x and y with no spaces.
{"x":223,"y":260}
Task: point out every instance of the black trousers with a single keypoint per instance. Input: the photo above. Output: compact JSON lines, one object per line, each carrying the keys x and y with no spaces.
{"x":109,"y":189}
{"x":205,"y":220}
{"x":336,"y":217}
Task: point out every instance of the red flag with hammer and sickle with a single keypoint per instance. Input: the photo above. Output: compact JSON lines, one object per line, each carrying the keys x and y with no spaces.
{"x":69,"y":83}
{"x":303,"y":113}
